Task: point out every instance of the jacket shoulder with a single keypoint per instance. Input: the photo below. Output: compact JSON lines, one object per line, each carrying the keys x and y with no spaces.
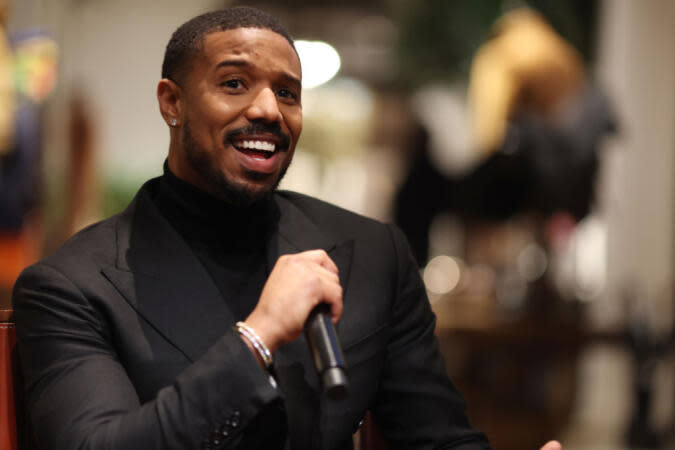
{"x":94,"y":244}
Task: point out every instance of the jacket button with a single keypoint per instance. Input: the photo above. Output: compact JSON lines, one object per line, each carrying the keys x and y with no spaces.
{"x":215,"y":438}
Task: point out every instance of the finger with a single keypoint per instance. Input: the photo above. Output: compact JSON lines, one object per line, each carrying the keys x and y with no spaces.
{"x":552,"y":445}
{"x":327,"y":275}
{"x":321,"y":258}
{"x":332,"y":295}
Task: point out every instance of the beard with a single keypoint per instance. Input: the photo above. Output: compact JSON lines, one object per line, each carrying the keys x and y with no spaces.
{"x":238,"y":194}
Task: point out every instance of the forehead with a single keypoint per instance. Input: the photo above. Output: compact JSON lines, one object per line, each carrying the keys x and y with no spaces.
{"x":257,"y":46}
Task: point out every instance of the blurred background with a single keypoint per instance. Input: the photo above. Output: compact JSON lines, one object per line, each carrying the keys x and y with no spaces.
{"x":524,"y":147}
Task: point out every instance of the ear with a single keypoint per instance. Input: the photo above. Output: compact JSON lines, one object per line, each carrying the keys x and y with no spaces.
{"x":169,"y":97}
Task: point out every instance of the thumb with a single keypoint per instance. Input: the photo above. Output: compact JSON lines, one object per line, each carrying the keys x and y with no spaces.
{"x":552,"y":445}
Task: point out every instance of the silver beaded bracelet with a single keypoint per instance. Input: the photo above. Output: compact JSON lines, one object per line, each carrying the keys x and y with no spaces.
{"x":250,"y":335}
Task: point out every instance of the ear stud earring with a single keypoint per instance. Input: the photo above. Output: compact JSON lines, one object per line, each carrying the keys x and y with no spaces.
{"x":173,"y":122}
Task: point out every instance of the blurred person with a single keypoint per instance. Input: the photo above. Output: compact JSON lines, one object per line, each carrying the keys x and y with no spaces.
{"x":524,"y":66}
{"x":414,"y":207}
{"x":154,"y":329}
{"x":9,"y":248}
{"x":536,"y":125}
{"x":27,"y":75}
{"x":537,"y":122}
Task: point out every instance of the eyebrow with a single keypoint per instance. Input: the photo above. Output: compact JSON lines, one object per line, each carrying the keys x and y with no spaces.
{"x":291,"y":79}
{"x":232,"y":62}
{"x":241,"y":63}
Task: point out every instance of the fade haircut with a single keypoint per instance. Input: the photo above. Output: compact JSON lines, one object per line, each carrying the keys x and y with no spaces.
{"x":188,"y":39}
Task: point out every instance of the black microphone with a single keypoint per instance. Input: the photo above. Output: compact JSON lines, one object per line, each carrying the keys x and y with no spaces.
{"x":326,"y":352}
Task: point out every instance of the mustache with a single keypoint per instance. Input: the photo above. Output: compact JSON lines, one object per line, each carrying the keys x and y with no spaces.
{"x":261,"y":128}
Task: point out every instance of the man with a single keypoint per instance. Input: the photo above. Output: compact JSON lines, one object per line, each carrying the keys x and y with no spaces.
{"x":127,"y":335}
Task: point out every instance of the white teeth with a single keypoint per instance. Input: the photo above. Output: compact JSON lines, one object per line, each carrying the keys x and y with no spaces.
{"x":257,"y":145}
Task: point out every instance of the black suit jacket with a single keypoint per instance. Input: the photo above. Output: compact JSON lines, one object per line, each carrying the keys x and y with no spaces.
{"x":126,"y":343}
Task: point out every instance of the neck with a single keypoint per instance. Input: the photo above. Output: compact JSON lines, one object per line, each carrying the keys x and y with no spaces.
{"x":206,"y":217}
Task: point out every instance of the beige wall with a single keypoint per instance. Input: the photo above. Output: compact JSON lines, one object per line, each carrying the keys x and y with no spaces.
{"x":637,"y":65}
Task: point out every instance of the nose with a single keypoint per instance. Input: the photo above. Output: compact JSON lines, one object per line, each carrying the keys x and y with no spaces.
{"x":264,"y":107}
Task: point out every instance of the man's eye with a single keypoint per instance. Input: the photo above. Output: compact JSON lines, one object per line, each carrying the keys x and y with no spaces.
{"x":232,"y":84}
{"x":286,"y":93}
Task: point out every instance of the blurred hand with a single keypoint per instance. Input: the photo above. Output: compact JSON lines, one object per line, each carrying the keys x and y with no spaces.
{"x":295,"y":286}
{"x":552,"y":445}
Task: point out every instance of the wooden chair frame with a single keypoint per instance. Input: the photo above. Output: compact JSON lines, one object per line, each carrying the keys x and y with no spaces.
{"x":8,"y":425}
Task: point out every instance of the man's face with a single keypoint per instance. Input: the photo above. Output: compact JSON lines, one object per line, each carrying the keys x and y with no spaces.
{"x":240,"y":114}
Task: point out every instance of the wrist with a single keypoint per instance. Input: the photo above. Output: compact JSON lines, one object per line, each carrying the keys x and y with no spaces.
{"x":265,"y":329}
{"x":257,"y":346}
{"x":254,"y":352}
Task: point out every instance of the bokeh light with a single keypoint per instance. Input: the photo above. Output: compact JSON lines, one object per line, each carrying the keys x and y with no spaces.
{"x":320,"y":62}
{"x":442,"y":274}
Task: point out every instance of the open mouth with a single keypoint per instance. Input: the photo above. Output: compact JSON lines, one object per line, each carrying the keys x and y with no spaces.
{"x":255,"y":148}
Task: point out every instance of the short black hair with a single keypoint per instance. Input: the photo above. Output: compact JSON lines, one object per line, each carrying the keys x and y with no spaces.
{"x":188,"y":39}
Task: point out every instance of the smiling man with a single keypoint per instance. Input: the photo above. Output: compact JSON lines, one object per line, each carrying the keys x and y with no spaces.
{"x":236,"y":115}
{"x":177,"y":324}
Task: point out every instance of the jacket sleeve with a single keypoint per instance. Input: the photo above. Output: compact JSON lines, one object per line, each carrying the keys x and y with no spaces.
{"x":417,"y":406}
{"x":80,"y":397}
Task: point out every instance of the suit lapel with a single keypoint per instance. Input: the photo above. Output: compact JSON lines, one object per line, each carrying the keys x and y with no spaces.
{"x":165,"y":282}
{"x":297,"y":233}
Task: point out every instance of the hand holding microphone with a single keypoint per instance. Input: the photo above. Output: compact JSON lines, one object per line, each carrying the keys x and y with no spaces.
{"x":303,"y":293}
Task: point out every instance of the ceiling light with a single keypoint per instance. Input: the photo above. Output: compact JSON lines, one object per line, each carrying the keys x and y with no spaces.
{"x":320,"y":62}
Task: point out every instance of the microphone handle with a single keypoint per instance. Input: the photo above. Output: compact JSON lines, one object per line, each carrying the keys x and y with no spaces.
{"x":326,"y":352}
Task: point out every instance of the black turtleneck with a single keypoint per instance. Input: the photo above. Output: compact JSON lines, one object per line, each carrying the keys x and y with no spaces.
{"x":230,"y":241}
